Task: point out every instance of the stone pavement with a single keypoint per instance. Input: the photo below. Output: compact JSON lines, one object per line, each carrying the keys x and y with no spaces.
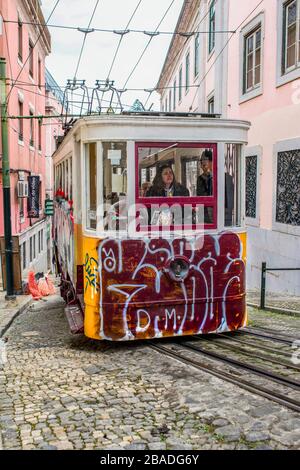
{"x":59,"y":391}
{"x":285,"y":303}
{"x":10,"y":309}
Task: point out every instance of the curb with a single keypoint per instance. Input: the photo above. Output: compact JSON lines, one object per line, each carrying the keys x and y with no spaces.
{"x":19,"y":310}
{"x":282,"y":311}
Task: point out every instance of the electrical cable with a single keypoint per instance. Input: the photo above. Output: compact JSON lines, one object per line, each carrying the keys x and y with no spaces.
{"x":121,"y":38}
{"x":119,"y":32}
{"x":147,"y":45}
{"x":86,"y":32}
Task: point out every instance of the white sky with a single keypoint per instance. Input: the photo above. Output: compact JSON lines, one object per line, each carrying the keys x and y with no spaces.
{"x":100,"y":46}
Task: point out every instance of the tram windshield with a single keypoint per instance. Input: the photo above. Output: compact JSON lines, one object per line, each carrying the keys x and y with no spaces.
{"x":177,"y":170}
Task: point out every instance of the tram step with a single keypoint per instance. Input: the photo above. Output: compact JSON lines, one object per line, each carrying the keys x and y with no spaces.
{"x":75,"y":318}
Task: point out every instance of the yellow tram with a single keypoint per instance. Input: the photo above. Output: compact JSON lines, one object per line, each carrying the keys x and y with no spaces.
{"x":148,"y":228}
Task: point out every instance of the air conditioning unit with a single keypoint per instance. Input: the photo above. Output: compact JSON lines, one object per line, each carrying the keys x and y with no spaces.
{"x":22,"y":189}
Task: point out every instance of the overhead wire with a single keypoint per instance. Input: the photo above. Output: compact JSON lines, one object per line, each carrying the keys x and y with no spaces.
{"x":92,"y":88}
{"x":86,"y":32}
{"x":119,"y":32}
{"x":119,"y":45}
{"x":121,"y":38}
{"x":147,"y":45}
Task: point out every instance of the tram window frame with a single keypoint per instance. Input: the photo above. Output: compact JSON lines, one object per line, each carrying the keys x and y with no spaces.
{"x":206,"y":201}
{"x":91,"y":223}
{"x":114,"y":199}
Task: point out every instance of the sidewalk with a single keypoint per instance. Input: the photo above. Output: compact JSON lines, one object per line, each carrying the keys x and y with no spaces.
{"x":276,"y":302}
{"x":10,"y":309}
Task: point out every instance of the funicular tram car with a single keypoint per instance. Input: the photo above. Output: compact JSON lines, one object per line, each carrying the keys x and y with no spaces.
{"x":149,"y":229}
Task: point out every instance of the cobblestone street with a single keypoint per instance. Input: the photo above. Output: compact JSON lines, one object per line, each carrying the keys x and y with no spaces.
{"x":59,"y":391}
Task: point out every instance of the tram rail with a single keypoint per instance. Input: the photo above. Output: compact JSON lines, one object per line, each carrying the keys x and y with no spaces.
{"x":242,"y":350}
{"x":232,"y":338}
{"x":260,"y":334}
{"x":212,"y":369}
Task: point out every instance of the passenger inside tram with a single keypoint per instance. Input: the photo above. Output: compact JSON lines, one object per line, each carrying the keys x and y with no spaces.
{"x":165,"y":184}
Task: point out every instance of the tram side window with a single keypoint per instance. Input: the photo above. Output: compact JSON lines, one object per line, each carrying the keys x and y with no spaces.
{"x":232,"y":198}
{"x":91,"y":189}
{"x":179,"y":171}
{"x":115,"y":185}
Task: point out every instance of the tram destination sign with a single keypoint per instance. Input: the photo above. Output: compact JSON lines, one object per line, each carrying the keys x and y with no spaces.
{"x":34,"y":197}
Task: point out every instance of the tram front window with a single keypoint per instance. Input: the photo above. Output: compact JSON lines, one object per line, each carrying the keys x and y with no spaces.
{"x":115,"y":185}
{"x":178,"y":170}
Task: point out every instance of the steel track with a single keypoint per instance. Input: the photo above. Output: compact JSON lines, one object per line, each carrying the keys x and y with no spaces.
{"x":242,"y":365}
{"x":279,"y":339}
{"x":248,"y":353}
{"x":256,"y":389}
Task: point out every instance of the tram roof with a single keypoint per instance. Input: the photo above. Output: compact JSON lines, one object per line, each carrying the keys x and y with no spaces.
{"x":148,"y":118}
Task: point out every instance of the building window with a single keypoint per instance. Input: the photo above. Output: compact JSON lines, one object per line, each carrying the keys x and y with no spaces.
{"x":196,"y":60}
{"x":288,"y":188}
{"x":20,"y":121}
{"x":251,"y":186}
{"x":170,"y":100}
{"x":20,"y":40}
{"x":40,"y":240}
{"x":174,"y":94}
{"x":40,"y":73}
{"x":291,"y":36}
{"x":23,"y":254}
{"x":252,"y":64}
{"x":180,"y":84}
{"x":21,"y":207}
{"x":187,"y":72}
{"x":212,"y":27}
{"x":31,"y":58}
{"x":211,"y":105}
{"x":31,"y":137}
{"x":34,"y":246}
{"x":31,"y":249}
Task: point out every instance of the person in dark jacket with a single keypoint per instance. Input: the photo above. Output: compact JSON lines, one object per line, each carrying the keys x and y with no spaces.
{"x":165,"y":184}
{"x":205,"y":181}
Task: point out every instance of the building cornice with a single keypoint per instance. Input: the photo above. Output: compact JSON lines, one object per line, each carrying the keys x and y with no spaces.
{"x":186,"y":18}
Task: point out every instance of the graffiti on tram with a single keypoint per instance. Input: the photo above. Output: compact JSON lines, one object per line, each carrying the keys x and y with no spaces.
{"x":139,"y":300}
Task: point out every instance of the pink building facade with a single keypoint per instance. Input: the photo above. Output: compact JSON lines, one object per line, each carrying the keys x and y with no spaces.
{"x":25,"y":47}
{"x":245,"y":64}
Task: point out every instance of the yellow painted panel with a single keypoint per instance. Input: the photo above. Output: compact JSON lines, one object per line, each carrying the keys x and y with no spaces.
{"x":91,"y":287}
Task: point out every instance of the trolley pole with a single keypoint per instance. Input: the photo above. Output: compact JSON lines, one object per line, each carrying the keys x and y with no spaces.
{"x":6,"y":186}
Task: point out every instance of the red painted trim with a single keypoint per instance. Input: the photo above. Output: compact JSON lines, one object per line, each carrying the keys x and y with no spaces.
{"x":211,"y":201}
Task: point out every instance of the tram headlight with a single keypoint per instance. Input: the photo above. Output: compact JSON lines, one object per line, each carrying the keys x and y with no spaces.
{"x":178,"y":268}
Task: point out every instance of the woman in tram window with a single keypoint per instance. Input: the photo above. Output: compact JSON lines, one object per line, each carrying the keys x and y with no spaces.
{"x":165,"y":184}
